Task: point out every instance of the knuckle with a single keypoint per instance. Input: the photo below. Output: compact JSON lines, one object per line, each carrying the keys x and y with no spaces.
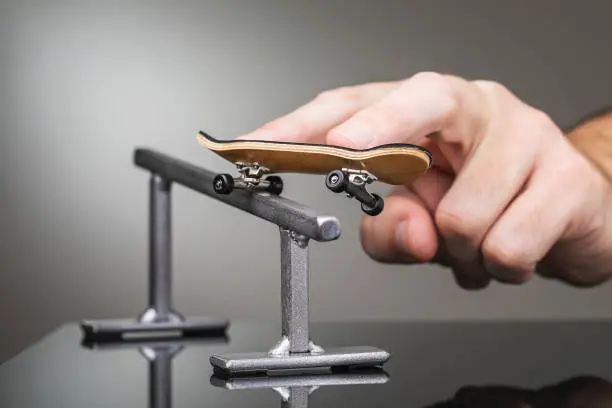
{"x":452,"y":223}
{"x":437,"y":90}
{"x":498,"y":94}
{"x":430,"y":79}
{"x":341,"y":94}
{"x":505,"y":256}
{"x":583,"y":207}
{"x":492,"y":87}
{"x":572,"y":171}
{"x":285,"y":125}
{"x":569,"y":168}
{"x":271,"y":125}
{"x":536,"y":127}
{"x":338,"y":137}
{"x":543,"y":123}
{"x":326,"y":94}
{"x":502,"y":95}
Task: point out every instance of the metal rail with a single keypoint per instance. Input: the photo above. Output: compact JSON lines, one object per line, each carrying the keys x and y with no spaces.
{"x":285,"y":213}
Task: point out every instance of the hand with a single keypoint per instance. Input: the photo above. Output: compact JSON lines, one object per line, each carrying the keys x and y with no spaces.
{"x":507,"y":197}
{"x":583,"y":392}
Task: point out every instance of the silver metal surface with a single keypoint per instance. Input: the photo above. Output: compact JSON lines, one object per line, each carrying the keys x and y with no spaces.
{"x":298,"y":224}
{"x":360,"y":177}
{"x":159,"y":320}
{"x":148,"y":345}
{"x":251,"y":173}
{"x":160,"y":256}
{"x":152,"y":316}
{"x":294,"y":398}
{"x":153,"y":352}
{"x":160,"y":376}
{"x":250,"y":185}
{"x":159,"y":356}
{"x":294,"y":292}
{"x":356,"y":377}
{"x":295,"y":350}
{"x":330,"y":358}
{"x":295,"y":391}
{"x":276,"y":209}
{"x":116,"y":329}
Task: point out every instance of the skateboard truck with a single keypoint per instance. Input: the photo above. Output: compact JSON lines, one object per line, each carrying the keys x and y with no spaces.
{"x":353,"y":183}
{"x":295,"y":390}
{"x":251,"y":178}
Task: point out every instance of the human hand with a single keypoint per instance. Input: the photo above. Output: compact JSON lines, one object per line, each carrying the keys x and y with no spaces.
{"x":583,"y":392}
{"x":507,"y":196}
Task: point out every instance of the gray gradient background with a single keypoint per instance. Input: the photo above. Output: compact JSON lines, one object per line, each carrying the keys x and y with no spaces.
{"x":83,"y":83}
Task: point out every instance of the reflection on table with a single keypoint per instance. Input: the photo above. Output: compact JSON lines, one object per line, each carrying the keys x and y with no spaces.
{"x":576,"y":392}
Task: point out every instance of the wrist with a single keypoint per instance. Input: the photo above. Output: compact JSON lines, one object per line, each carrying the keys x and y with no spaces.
{"x":593,"y":139}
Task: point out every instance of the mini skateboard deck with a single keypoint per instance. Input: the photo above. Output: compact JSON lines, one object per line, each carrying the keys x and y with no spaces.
{"x":347,"y":170}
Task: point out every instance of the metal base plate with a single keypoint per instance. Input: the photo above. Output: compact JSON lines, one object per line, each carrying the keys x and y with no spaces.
{"x":253,"y":363}
{"x":113,"y":330}
{"x":363,"y":376}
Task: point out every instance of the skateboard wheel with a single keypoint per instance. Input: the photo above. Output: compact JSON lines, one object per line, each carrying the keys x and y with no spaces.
{"x":378,"y":207}
{"x":276,"y":185}
{"x":223,"y":183}
{"x":336,"y":181}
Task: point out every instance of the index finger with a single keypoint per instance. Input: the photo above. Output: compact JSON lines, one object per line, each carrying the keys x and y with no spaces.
{"x":425,"y":105}
{"x":311,"y":122}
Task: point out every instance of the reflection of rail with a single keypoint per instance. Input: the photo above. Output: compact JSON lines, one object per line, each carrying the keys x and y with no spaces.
{"x":159,"y":354}
{"x":296,"y":389}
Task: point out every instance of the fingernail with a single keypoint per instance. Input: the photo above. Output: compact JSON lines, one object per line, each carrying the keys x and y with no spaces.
{"x":358,"y":133}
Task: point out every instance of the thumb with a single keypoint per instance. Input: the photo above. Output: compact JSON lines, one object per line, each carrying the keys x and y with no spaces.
{"x":403,"y":233}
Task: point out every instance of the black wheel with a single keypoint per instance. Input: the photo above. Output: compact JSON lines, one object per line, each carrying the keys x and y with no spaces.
{"x":223,"y":183}
{"x":276,"y":185}
{"x":378,"y":206}
{"x":336,"y":181}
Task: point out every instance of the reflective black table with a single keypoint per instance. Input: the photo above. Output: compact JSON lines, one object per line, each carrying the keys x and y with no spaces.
{"x":540,"y":364}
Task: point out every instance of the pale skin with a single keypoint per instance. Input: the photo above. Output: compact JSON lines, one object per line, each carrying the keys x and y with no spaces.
{"x":508,"y":196}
